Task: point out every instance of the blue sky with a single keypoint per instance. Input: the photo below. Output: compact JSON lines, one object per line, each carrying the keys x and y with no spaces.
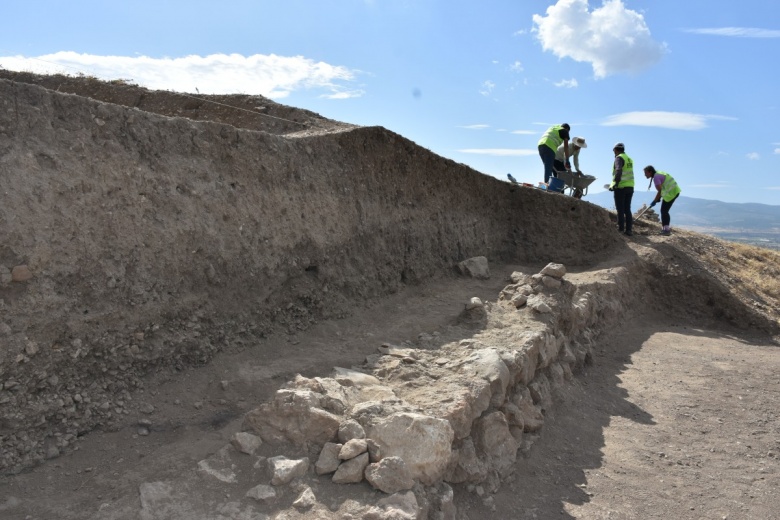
{"x":690,"y":86}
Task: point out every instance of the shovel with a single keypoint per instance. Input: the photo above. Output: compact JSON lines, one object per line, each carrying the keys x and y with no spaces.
{"x":644,"y":209}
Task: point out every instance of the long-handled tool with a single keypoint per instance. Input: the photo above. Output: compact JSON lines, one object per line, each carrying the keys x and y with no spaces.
{"x":644,"y":209}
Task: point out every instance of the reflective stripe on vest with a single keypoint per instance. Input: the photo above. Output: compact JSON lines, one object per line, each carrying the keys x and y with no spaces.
{"x":669,"y":189}
{"x":627,"y":178}
{"x":552,"y":137}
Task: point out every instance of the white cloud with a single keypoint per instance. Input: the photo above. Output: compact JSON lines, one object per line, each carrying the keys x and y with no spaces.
{"x":524,"y":132}
{"x":501,"y":152}
{"x":710,"y":185}
{"x":567,"y":83}
{"x":773,"y":188}
{"x":741,"y":32}
{"x":777,"y":150}
{"x":660,"y":119}
{"x":475,"y":127}
{"x":487,"y":88}
{"x":268,"y":75}
{"x":516,"y":67}
{"x":345,"y":94}
{"x":753,"y":156}
{"x":611,"y":38}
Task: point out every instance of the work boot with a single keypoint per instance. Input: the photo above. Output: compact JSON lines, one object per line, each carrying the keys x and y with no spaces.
{"x":665,"y":232}
{"x":628,"y":233}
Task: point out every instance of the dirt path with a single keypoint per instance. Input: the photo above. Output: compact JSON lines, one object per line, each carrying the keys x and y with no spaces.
{"x":669,"y":422}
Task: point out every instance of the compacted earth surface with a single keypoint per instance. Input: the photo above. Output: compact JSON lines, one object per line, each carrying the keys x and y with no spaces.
{"x":675,"y":414}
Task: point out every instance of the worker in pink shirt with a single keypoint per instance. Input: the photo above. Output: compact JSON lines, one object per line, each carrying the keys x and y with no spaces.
{"x":668,"y":190}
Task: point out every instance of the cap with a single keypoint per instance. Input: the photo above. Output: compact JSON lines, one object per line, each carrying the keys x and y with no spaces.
{"x":619,"y":145}
{"x":579,"y":141}
{"x":566,"y":126}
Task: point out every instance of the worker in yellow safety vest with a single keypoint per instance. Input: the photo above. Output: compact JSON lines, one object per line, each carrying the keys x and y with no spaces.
{"x":623,"y":187}
{"x":668,"y":190}
{"x":548,"y":145}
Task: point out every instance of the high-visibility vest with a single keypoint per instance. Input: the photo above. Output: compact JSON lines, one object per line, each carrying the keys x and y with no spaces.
{"x":669,"y":189}
{"x":627,"y":178}
{"x":552,"y":138}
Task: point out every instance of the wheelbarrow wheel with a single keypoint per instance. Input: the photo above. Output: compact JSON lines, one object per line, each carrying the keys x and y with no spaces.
{"x":577,"y":193}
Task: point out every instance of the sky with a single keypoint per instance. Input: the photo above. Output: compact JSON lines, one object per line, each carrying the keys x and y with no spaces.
{"x":689,"y":86}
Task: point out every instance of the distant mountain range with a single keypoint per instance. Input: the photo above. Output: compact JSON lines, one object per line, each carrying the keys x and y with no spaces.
{"x":703,"y":214}
{"x":747,"y":223}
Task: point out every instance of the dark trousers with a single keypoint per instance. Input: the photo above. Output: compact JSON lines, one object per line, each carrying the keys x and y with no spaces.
{"x":665,"y":207}
{"x":623,"y":198}
{"x":548,"y":158}
{"x":558,"y":166}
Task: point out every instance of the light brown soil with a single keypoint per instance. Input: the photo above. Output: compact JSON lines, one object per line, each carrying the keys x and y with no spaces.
{"x":677,"y":417}
{"x":670,"y":421}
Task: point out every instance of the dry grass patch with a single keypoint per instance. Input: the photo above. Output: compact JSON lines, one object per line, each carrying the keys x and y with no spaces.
{"x":752,"y":271}
{"x":759,"y":267}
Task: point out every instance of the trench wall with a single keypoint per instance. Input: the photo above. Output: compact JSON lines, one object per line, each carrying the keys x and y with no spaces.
{"x":132,"y":241}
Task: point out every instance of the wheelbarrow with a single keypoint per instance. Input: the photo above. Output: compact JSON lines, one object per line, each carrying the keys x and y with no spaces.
{"x":576,"y":183}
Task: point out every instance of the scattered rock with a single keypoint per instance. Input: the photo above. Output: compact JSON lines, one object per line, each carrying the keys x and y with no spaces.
{"x":262,"y":493}
{"x":351,"y":471}
{"x":518,"y":300}
{"x":389,"y":475}
{"x":21,"y":273}
{"x":246,"y":442}
{"x":538,"y":304}
{"x":305,"y":500}
{"x":352,"y":449}
{"x":219,"y":466}
{"x":476,"y":267}
{"x":400,"y":506}
{"x":351,"y":429}
{"x":328,"y":461}
{"x":284,"y":470}
{"x":551,"y":282}
{"x":554,"y":270}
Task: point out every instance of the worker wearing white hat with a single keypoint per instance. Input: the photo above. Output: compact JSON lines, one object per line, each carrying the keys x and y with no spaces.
{"x":562,"y":161}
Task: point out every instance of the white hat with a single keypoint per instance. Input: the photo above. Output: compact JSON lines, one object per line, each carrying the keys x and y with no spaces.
{"x":579,"y":141}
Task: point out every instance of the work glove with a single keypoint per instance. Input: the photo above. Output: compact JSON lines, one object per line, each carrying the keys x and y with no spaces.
{"x":653,"y":203}
{"x":611,"y":188}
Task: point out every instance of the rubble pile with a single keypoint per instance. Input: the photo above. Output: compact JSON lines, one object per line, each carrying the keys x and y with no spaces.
{"x":647,"y":214}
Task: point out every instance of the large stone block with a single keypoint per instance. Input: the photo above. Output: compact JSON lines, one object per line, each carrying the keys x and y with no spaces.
{"x":423,"y":442}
